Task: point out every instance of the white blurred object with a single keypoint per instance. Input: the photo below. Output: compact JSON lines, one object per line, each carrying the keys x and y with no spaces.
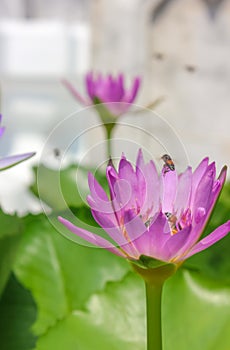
{"x":35,"y":55}
{"x":79,"y":40}
{"x":43,"y":48}
{"x":14,"y":193}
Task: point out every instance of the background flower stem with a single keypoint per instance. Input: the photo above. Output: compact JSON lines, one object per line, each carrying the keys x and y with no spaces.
{"x":153,"y":310}
{"x":109,"y":147}
{"x":109,"y":128}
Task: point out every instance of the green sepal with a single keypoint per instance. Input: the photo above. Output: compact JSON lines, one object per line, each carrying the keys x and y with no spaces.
{"x":153,"y":270}
{"x":147,"y":262}
{"x":107,"y":118}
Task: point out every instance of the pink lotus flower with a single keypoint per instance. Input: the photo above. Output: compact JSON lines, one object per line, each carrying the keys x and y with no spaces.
{"x":107,"y":90}
{"x":8,"y":162}
{"x":159,"y":216}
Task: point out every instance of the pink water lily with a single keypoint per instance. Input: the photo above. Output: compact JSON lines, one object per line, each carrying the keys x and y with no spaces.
{"x":107,"y":90}
{"x":160,"y":216}
{"x":8,"y":162}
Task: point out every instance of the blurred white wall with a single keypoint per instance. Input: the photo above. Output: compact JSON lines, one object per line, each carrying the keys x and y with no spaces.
{"x":182,"y":48}
{"x":194,"y":74}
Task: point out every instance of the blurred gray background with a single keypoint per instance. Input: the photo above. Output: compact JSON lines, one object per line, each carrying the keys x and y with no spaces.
{"x":181,"y":48}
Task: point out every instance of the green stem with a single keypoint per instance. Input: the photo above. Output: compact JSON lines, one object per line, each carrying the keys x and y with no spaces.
{"x":109,"y":127}
{"x":154,"y":280}
{"x":109,"y":146}
{"x":153,"y":310}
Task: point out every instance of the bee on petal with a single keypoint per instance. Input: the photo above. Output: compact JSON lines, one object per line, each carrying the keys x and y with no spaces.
{"x":174,"y":225}
{"x":169,"y":165}
{"x":172,"y":219}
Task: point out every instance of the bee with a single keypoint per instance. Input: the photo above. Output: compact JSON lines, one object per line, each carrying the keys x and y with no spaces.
{"x":158,"y":56}
{"x":190,"y":68}
{"x":169,"y":165}
{"x":172,"y":219}
{"x":56,"y":152}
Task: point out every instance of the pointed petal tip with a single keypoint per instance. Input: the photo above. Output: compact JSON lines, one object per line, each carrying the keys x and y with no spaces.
{"x":8,"y":162}
{"x":111,"y":171}
{"x":110,"y":162}
{"x":30,"y":154}
{"x":137,"y":80}
{"x":75,"y":92}
{"x":90,"y":176}
{"x":219,"y":233}
{"x":139,"y":159}
{"x":62,"y":220}
{"x":64,"y":81}
{"x":140,"y":153}
{"x":203,"y":162}
{"x":223,"y":173}
{"x":123,"y":157}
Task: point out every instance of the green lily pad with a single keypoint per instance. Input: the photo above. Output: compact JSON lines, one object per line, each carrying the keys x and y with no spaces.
{"x":58,"y":188}
{"x":196,"y":313}
{"x":61,"y":274}
{"x":111,"y":321}
{"x":17,"y":314}
{"x":10,"y":229}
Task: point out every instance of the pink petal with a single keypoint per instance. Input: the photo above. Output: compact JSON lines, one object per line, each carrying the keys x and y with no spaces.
{"x":148,"y":183}
{"x":199,"y":171}
{"x":153,"y":240}
{"x":140,"y":163}
{"x":218,"y":185}
{"x":169,"y":182}
{"x":114,"y":90}
{"x":96,"y":190}
{"x":209,"y":240}
{"x":90,"y":85}
{"x":199,"y":225}
{"x":204,"y":188}
{"x":197,"y":175}
{"x":130,"y":95}
{"x":91,"y":237}
{"x":113,"y":230}
{"x":120,"y":82}
{"x":8,"y":162}
{"x":112,"y":178}
{"x":128,"y":191}
{"x":134,"y":225}
{"x":160,"y":233}
{"x":183,"y":191}
{"x":75,"y":93}
{"x":98,"y":199}
{"x":2,"y":129}
{"x":175,"y":243}
{"x":137,"y":231}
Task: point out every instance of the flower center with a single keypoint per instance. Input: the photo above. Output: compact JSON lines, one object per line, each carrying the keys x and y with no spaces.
{"x":176,"y":224}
